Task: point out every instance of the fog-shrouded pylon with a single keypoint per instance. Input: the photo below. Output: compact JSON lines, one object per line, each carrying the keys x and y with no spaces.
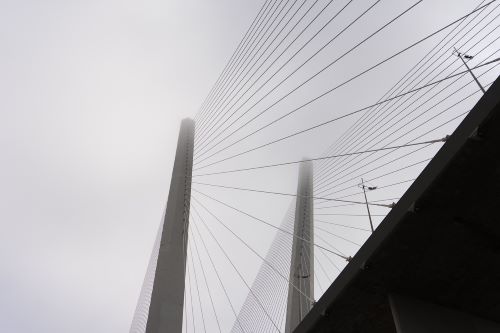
{"x":301,"y":287}
{"x":167,"y":297}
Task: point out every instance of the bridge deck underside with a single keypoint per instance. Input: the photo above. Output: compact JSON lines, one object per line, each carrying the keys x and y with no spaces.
{"x":440,"y":244}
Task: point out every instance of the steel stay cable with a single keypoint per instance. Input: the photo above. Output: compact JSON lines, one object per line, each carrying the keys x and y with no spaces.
{"x":276,"y":246}
{"x":330,"y":245}
{"x":249,"y":313}
{"x":269,"y":224}
{"x":480,"y":30}
{"x":250,"y":317}
{"x":322,"y":267}
{"x":190,"y":296}
{"x":424,"y":134}
{"x":248,"y":48}
{"x":261,"y":21}
{"x":374,"y":131}
{"x":229,"y":63}
{"x":215,"y":269}
{"x":290,"y":92}
{"x":283,"y":312}
{"x":275,"y":293}
{"x":284,"y":64}
{"x":403,"y":168}
{"x":250,"y":248}
{"x":304,"y":82}
{"x":197,"y":287}
{"x":275,"y":249}
{"x":353,"y":215}
{"x":318,"y":184}
{"x":344,"y":205}
{"x":396,"y":159}
{"x":265,"y":325}
{"x":321,"y":183}
{"x":277,"y":301}
{"x":287,"y":238}
{"x":246,"y":51}
{"x":341,"y":225}
{"x":274,"y":50}
{"x":340,"y":142}
{"x":235,"y":268}
{"x":410,"y":141}
{"x":271,"y":302}
{"x":373,"y":126}
{"x":454,"y":118}
{"x":340,"y":117}
{"x":322,"y":290}
{"x":340,"y":85}
{"x":231,"y":60}
{"x":397,"y":170}
{"x":235,"y":85}
{"x":378,"y":188}
{"x":337,"y":236}
{"x":205,"y":279}
{"x":373,"y":169}
{"x":408,"y":132}
{"x":247,"y":60}
{"x":291,"y":194}
{"x":402,"y":81}
{"x":378,"y":167}
{"x":358,"y":193}
{"x":252,"y":55}
{"x":267,"y":263}
{"x":318,"y":158}
{"x":325,"y":241}
{"x":330,"y":260}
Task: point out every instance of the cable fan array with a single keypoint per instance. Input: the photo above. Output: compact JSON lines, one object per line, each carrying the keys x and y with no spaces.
{"x":361,"y":89}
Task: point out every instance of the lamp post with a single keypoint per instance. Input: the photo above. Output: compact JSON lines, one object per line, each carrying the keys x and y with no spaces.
{"x":364,"y":187}
{"x":464,"y":56}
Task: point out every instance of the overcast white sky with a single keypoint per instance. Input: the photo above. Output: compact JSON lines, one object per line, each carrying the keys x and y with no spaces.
{"x":92,"y":93}
{"x":91,"y":96}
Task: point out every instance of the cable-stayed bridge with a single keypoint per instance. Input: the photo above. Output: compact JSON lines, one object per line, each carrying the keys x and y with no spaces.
{"x":311,"y":196}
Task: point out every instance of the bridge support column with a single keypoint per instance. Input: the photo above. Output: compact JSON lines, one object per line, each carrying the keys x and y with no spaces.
{"x":302,"y":263}
{"x":412,"y":316}
{"x":167,"y":299}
